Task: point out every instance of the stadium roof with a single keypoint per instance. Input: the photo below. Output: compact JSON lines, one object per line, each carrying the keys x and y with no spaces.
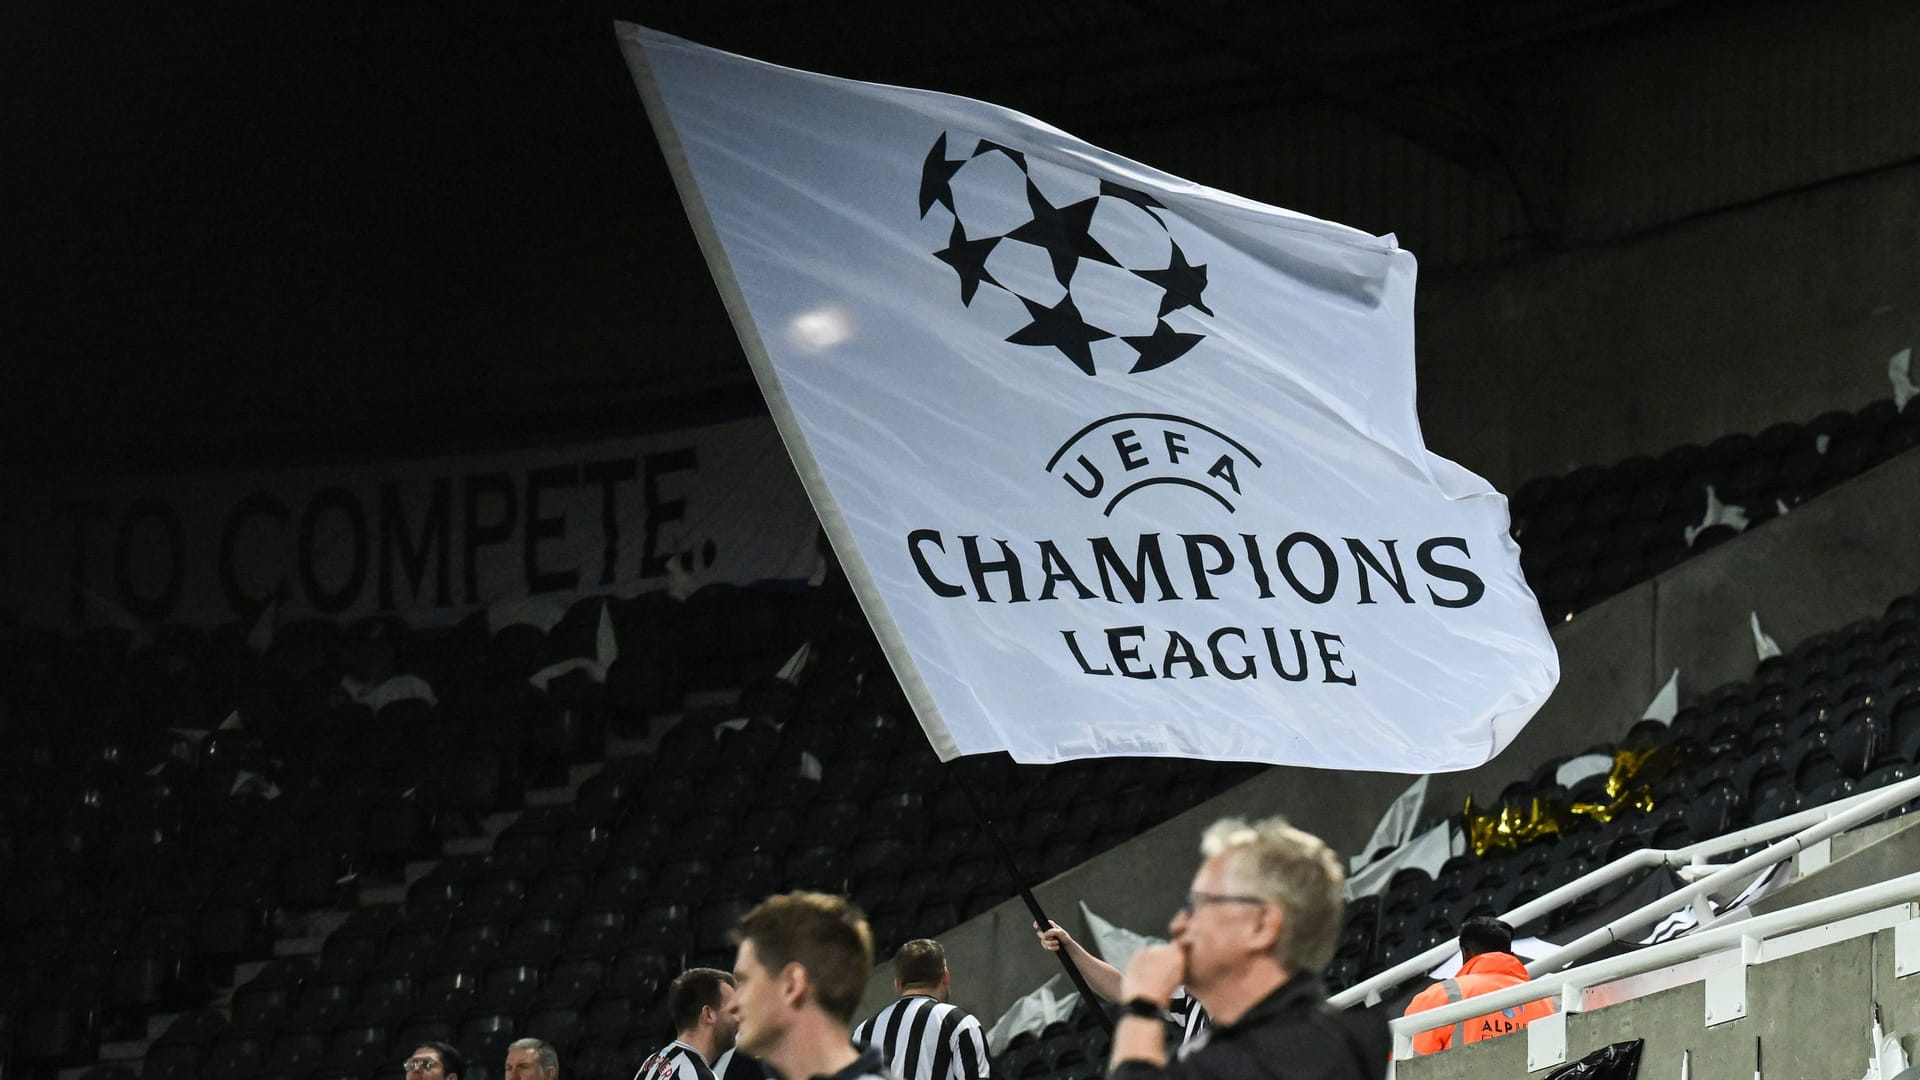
{"x":269,"y":230}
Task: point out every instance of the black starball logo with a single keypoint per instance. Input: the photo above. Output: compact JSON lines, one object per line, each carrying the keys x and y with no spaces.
{"x":1096,"y":269}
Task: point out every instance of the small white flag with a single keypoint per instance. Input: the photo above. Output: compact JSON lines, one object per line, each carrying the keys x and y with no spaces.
{"x":1115,"y":944}
{"x":1764,"y":647}
{"x":1582,"y":767}
{"x":1396,"y":825}
{"x":1429,"y":851}
{"x":1665,"y":703}
{"x":260,"y":634}
{"x":1899,"y":373}
{"x":1051,"y":1002}
{"x":377,"y":696}
{"x":797,"y":663}
{"x":543,"y":612}
{"x":1717,"y":514}
{"x":606,"y":649}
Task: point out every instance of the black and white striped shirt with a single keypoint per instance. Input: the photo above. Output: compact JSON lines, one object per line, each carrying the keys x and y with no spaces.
{"x":675,"y":1061}
{"x":1195,"y":1025}
{"x":924,"y":1038}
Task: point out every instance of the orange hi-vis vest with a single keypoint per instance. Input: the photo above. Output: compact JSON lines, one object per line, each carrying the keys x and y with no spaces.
{"x":1481,"y":975}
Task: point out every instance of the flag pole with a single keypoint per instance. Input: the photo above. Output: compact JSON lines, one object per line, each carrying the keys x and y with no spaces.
{"x":1033,"y":903}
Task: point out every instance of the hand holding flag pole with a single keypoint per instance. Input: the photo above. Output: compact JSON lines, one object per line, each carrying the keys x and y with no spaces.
{"x":1033,"y":905}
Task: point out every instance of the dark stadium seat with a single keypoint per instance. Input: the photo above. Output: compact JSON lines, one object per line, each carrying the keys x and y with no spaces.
{"x":486,"y":1031}
{"x":237,"y":1053}
{"x":751,"y":872}
{"x":510,"y":985}
{"x":575,"y":977}
{"x":386,"y":995}
{"x":1816,"y":768}
{"x":1712,"y":811}
{"x":450,"y":989}
{"x":598,"y":1057}
{"x":296,"y":1051}
{"x":567,"y":733}
{"x":768,"y":828}
{"x":621,"y":883}
{"x":260,"y":1006}
{"x":426,"y":1025}
{"x":559,"y":1018}
{"x":360,"y":1045}
{"x":821,"y":866}
{"x":537,"y":936}
{"x":173,"y":1061}
{"x":596,"y":931}
{"x":315,"y":879}
{"x":640,"y":972}
{"x":62,"y":1027}
{"x":325,"y":1000}
{"x":686,"y":875}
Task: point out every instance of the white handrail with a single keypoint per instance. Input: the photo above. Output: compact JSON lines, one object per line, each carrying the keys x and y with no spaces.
{"x":1827,"y":909}
{"x":1846,"y":812}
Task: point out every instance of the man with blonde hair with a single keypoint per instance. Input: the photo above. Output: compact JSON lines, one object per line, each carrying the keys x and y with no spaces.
{"x":803,"y":963}
{"x":1259,"y":923}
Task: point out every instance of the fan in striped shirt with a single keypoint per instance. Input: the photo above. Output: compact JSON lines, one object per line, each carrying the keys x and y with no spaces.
{"x":922,"y":1035}
{"x":1104,"y":979}
{"x":706,"y":1018}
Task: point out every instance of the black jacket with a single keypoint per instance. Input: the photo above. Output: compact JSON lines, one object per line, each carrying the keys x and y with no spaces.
{"x":1290,"y":1035}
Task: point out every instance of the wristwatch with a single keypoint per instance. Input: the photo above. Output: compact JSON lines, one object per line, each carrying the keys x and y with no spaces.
{"x":1144,"y":1009}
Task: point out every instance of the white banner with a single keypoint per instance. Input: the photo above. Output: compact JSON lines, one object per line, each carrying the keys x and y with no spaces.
{"x":429,"y":540}
{"x":1119,"y":464}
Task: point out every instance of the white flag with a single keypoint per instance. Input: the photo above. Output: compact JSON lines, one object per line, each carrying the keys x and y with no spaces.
{"x":1117,"y":464}
{"x":1395,"y":826}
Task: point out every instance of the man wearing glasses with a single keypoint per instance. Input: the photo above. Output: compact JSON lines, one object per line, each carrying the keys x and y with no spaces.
{"x":435,"y":1061}
{"x":1260,"y":922}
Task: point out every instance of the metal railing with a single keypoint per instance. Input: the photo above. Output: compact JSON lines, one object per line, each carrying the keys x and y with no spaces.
{"x":1801,"y":829}
{"x":1892,"y":900}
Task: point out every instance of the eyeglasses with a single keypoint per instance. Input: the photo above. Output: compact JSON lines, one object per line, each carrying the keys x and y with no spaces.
{"x":1197,"y":900}
{"x":420,"y":1064}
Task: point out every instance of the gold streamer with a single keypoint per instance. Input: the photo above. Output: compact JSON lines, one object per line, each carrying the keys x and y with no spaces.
{"x":1513,"y":827}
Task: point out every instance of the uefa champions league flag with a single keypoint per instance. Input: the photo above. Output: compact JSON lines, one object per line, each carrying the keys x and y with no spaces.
{"x":1117,"y":463}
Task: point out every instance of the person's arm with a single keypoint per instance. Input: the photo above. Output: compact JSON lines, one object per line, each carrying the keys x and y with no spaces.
{"x":1435,"y":1040}
{"x":1102,"y":978}
{"x":1152,"y":976}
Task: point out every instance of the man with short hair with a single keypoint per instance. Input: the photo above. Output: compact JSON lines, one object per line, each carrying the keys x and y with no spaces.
{"x":706,"y":1019}
{"x":532,"y":1059}
{"x":435,"y":1061}
{"x":921,"y":1034}
{"x":1487,"y":964}
{"x":1260,"y":922}
{"x":803,"y":963}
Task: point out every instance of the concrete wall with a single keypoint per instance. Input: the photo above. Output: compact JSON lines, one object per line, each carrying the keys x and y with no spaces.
{"x":1777,"y":311}
{"x":1835,"y":559}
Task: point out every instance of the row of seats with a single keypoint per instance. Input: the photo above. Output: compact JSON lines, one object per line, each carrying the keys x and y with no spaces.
{"x":1838,"y":715}
{"x":249,"y":783}
{"x":158,"y":867}
{"x":1596,"y":530}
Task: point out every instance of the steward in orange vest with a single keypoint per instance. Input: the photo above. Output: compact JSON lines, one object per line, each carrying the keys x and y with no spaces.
{"x":1489,"y":966}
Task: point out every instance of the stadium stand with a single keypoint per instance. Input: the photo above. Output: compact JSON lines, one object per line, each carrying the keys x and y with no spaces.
{"x":1588,"y":534}
{"x":224,"y":861}
{"x":188,"y":811}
